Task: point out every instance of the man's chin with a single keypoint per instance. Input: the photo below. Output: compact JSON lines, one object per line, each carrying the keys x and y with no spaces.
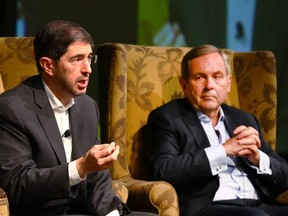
{"x":80,"y":92}
{"x":210,"y":107}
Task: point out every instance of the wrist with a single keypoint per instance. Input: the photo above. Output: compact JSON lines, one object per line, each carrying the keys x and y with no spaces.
{"x":80,"y":168}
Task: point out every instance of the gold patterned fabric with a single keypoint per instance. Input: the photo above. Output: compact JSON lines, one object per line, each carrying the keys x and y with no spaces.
{"x":16,"y":60}
{"x":4,"y":205}
{"x":16,"y":64}
{"x":142,"y":78}
{"x":1,"y":85}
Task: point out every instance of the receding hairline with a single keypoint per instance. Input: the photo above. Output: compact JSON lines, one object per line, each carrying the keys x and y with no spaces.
{"x":198,"y":51}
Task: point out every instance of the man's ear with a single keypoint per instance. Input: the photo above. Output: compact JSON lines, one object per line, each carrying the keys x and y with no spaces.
{"x":229,"y":82}
{"x":47,"y":65}
{"x":182,"y":83}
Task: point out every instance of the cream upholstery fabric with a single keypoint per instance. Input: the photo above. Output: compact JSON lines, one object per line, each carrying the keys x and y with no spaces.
{"x":1,"y":85}
{"x":4,"y":205}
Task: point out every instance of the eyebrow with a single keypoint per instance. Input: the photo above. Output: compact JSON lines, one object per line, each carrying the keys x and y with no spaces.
{"x":80,"y":55}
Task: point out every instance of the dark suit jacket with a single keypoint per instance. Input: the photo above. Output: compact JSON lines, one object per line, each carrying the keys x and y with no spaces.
{"x":33,"y":167}
{"x":174,"y":147}
{"x":204,"y":22}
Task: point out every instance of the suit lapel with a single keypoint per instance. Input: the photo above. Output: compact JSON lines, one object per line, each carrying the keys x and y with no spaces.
{"x":76,"y":125}
{"x":193,"y":123}
{"x":48,"y":122}
{"x":230,"y":121}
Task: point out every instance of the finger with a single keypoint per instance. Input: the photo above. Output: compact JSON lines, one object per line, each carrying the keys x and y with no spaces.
{"x":105,"y":152}
{"x":239,"y":129}
{"x":115,"y":154}
{"x":249,"y":131}
{"x":252,"y":148}
{"x":250,"y":141}
{"x":245,"y":152}
{"x":111,"y":147}
{"x":98,"y":154}
{"x":101,"y":146}
{"x":107,"y":161}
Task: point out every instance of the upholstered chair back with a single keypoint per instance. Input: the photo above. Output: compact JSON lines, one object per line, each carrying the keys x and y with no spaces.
{"x":142,"y":78}
{"x":16,"y":60}
{"x":16,"y":64}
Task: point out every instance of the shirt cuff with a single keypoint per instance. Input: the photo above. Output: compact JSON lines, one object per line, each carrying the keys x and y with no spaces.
{"x":74,"y":177}
{"x":264,"y":164}
{"x":217,"y":158}
{"x":114,"y":213}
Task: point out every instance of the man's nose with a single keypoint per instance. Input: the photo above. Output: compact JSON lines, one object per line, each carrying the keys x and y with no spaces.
{"x":210,"y":83}
{"x":86,"y":67}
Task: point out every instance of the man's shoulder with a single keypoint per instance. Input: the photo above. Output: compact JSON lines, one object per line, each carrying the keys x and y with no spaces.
{"x":85,"y":102}
{"x":234,"y":110}
{"x":173,"y":104}
{"x":23,"y":89}
{"x":85,"y":99}
{"x":238,"y":115}
{"x":173,"y":108}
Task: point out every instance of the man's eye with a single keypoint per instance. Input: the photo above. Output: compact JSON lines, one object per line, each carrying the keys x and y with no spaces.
{"x":218,"y":76}
{"x":199,"y":78}
{"x":75,"y":59}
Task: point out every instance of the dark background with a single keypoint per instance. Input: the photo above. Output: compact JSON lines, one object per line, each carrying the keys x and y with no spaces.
{"x":117,"y":21}
{"x":105,"y":20}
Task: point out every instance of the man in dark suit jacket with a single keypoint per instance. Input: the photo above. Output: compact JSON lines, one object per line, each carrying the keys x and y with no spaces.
{"x":205,"y":22}
{"x":213,"y":154}
{"x":50,"y":160}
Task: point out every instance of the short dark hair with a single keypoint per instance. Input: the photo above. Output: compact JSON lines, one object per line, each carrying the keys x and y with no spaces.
{"x":54,"y":38}
{"x":197,"y":52}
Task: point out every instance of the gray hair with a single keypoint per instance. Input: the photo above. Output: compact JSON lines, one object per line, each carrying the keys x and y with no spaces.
{"x":200,"y":51}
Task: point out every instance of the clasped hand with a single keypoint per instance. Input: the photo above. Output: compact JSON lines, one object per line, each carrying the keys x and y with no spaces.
{"x":98,"y":158}
{"x":245,"y":143}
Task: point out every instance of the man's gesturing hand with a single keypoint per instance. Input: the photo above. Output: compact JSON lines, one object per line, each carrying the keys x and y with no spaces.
{"x":98,"y":158}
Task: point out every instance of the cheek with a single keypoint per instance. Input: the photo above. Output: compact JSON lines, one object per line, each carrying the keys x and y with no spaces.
{"x":193,"y":91}
{"x":196,"y":89}
{"x":70,"y":74}
{"x":68,"y":78}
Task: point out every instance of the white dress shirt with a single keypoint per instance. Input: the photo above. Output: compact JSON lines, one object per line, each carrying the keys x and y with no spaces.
{"x":61,"y":114}
{"x":234,"y":183}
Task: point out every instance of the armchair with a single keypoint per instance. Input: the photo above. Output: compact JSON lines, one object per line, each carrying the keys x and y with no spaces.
{"x":141,"y":78}
{"x":16,"y":64}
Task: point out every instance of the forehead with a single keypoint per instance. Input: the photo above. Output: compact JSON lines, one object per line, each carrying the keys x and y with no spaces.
{"x":79,"y":48}
{"x":210,"y":62}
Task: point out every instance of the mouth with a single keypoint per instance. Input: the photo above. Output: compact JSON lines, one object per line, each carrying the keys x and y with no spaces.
{"x":207,"y":96}
{"x":83,"y":83}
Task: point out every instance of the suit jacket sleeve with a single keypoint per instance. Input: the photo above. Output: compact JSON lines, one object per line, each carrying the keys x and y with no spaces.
{"x":175,"y":143}
{"x":20,"y":176}
{"x":174,"y":146}
{"x":270,"y":185}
